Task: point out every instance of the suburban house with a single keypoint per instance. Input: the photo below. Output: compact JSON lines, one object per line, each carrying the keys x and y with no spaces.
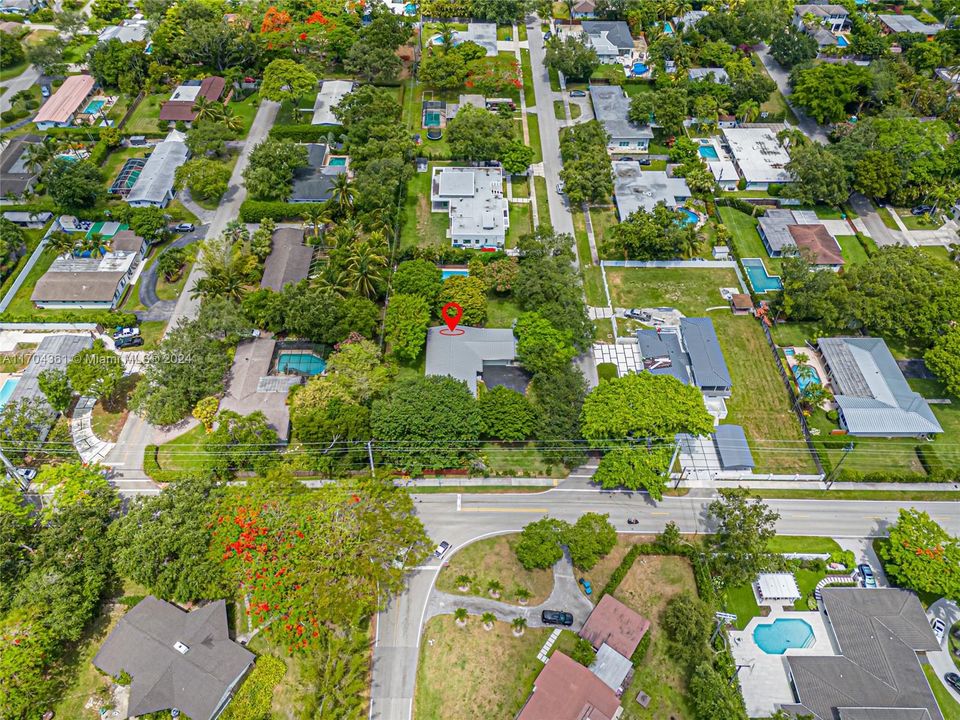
{"x":20,"y":7}
{"x":725,"y":173}
{"x":584,"y":10}
{"x":180,"y":106}
{"x":611,"y":107}
{"x":252,"y":388}
{"x":689,"y":19}
{"x":126,"y":32}
{"x":17,"y":178}
{"x":85,"y":282}
{"x":833,"y":17}
{"x":127,"y":241}
{"x":314,"y":183}
{"x":473,"y":198}
{"x":691,"y":353}
{"x":154,"y":186}
{"x":487,"y":355}
{"x":758,"y":155}
{"x":713,"y":74}
{"x":610,"y":38}
{"x":817,"y":246}
{"x":175,"y":659}
{"x":483,"y":34}
{"x":733,"y":450}
{"x":614,"y":631}
{"x":876,"y":672}
{"x":635,"y":189}
{"x":28,"y":220}
{"x":53,"y":353}
{"x":566,"y":690}
{"x":330,"y":95}
{"x":793,"y":232}
{"x":289,"y":259}
{"x":873,"y":398}
{"x":62,"y":107}
{"x":908,"y":24}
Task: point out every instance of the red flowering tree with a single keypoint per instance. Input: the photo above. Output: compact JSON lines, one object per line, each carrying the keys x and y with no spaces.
{"x":275,"y":21}
{"x":921,"y":555}
{"x":494,"y":76}
{"x":303,"y":559}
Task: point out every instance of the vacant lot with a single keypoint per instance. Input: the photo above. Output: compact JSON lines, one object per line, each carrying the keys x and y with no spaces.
{"x":421,"y":226}
{"x":689,"y":290}
{"x":602,"y":571}
{"x":495,"y":559}
{"x":472,"y":674}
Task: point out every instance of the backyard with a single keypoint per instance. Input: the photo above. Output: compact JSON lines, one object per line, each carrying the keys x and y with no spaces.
{"x":421,"y":227}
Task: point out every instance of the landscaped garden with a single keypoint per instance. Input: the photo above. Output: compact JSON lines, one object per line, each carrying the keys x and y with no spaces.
{"x":494,"y":560}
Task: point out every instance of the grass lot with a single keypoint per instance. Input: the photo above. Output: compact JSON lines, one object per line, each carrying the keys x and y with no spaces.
{"x":145,"y":118}
{"x":601,"y":572}
{"x":746,"y":239}
{"x":897,"y":495}
{"x":651,"y":582}
{"x":580,"y":236}
{"x":603,"y":330}
{"x":525,"y":461}
{"x":559,"y":111}
{"x":494,"y":559}
{"x":526,"y":70}
{"x":802,"y":544}
{"x":501,"y":311}
{"x":471,"y":674}
{"x":543,"y":203}
{"x":182,"y":453}
{"x":107,"y":425}
{"x":852,"y":250}
{"x":887,"y":218}
{"x":593,"y":286}
{"x":603,"y":219}
{"x":793,"y":333}
{"x":924,"y":222}
{"x":533,"y":127}
{"x":76,"y":50}
{"x":948,"y":706}
{"x":521,"y":223}
{"x":520,"y":186}
{"x":688,"y":290}
{"x":420,"y":226}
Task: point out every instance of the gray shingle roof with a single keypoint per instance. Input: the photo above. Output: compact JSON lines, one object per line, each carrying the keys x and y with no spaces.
{"x":156,"y":178}
{"x":611,"y":106}
{"x":871,"y":392}
{"x":463,"y":356}
{"x":289,"y":259}
{"x":163,"y":677}
{"x":635,"y":188}
{"x":247,"y":390}
{"x":662,"y":354}
{"x":53,"y":353}
{"x":732,"y":447}
{"x":314,"y":183}
{"x":879,"y":632}
{"x":617,"y":32}
{"x":706,"y":357}
{"x":909,"y":24}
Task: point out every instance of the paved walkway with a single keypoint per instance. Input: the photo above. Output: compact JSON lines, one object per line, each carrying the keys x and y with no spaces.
{"x":566,"y":596}
{"x":14,"y":85}
{"x":943,"y":235}
{"x":91,"y":448}
{"x":941,"y":662}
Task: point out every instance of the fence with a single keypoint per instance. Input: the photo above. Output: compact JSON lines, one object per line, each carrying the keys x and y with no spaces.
{"x":31,"y":261}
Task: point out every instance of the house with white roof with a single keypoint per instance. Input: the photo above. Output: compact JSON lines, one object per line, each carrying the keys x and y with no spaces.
{"x":908,"y":24}
{"x":610,"y":38}
{"x":832,"y":16}
{"x":127,"y":31}
{"x":473,"y":198}
{"x":612,"y":107}
{"x":330,"y":95}
{"x":635,"y":189}
{"x":154,"y":187}
{"x":759,"y":157}
{"x":713,"y":74}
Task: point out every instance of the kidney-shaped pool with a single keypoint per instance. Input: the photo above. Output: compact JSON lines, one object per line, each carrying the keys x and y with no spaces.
{"x":784,"y":634}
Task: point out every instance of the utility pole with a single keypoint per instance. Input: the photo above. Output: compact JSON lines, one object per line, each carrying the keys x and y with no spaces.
{"x":370,"y":455}
{"x":847,"y":449}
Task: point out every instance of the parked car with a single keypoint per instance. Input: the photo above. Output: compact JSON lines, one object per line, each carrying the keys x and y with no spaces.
{"x":587,"y":587}
{"x":637,"y":314}
{"x":441,"y":549}
{"x":625,"y":158}
{"x":578,"y":93}
{"x":953,"y":680}
{"x":866,"y":576}
{"x":547,"y":35}
{"x":644,"y":161}
{"x":125,"y":332}
{"x":922,"y":210}
{"x":26,"y":473}
{"x":556,"y":617}
{"x":128,"y":342}
{"x":939,"y":628}
{"x":560,"y":187}
{"x":185,"y":228}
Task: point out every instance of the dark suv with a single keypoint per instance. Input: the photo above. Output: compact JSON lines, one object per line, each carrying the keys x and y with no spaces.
{"x":128,"y":342}
{"x":556,"y":617}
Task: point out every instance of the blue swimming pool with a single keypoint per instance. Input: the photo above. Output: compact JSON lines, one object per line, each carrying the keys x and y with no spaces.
{"x":667,"y":29}
{"x":761,"y":280}
{"x":784,"y":634}
{"x":9,"y":385}
{"x":300,"y":362}
{"x":709,"y":152}
{"x":453,"y":272}
{"x":691,"y":217}
{"x":842,"y":41}
{"x":639,"y":68}
{"x":431,"y":119}
{"x":806,"y":377}
{"x":94,"y":106}
{"x":337,"y":162}
{"x":410,"y":8}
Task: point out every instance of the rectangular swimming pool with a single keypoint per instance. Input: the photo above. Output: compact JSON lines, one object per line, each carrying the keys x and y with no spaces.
{"x":300,"y":362}
{"x":709,"y":152}
{"x":431,"y":119}
{"x":337,"y":162}
{"x":9,"y":385}
{"x":761,"y":280}
{"x":453,"y":272}
{"x":94,"y":106}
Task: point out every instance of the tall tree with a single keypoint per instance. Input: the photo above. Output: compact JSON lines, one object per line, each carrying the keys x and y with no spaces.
{"x":743,"y":529}
{"x":819,"y":174}
{"x":286,"y":80}
{"x":920,"y":555}
{"x":406,"y":325}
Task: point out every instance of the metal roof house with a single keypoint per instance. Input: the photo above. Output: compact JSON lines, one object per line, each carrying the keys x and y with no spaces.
{"x":877,"y":675}
{"x":610,"y":38}
{"x":691,"y":353}
{"x":126,"y":32}
{"x":154,"y":187}
{"x":759,"y":156}
{"x":330,"y":95}
{"x":175,"y":659}
{"x":473,"y":198}
{"x":732,"y":448}
{"x":612,"y":106}
{"x":469,"y":356}
{"x":635,"y":189}
{"x":908,"y":24}
{"x":872,"y":396}
{"x":53,"y":353}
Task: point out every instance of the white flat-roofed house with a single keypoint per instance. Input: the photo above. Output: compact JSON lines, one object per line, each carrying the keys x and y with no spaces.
{"x":759,"y":157}
{"x":154,"y":187}
{"x":713,"y":74}
{"x":332,"y":92}
{"x":833,"y":16}
{"x":635,"y":189}
{"x":126,"y":32}
{"x":473,"y":198}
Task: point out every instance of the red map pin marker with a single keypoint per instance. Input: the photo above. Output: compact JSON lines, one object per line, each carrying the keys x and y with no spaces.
{"x":452,"y":313}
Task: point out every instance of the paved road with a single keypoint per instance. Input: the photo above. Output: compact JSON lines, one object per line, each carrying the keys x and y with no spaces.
{"x":881,"y":234}
{"x":549,"y":131}
{"x":147,"y":286}
{"x":463,"y":519}
{"x":782,"y":78}
{"x":14,"y":85}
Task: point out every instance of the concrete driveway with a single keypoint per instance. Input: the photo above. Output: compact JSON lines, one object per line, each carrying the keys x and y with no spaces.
{"x":880,"y":233}
{"x":862,"y":549}
{"x":14,"y":85}
{"x":949,"y":612}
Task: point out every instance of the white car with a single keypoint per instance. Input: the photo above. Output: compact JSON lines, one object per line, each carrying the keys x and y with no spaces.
{"x":560,"y":187}
{"x":441,"y":549}
{"x":939,"y":628}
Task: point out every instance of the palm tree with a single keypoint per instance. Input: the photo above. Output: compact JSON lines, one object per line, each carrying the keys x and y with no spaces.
{"x":521,"y":594}
{"x":207,"y":109}
{"x":236,"y":232}
{"x":801,"y":358}
{"x":170,"y":263}
{"x":748,"y":111}
{"x":347,"y":232}
{"x":233,"y":122}
{"x":317,"y":216}
{"x":488,"y":619}
{"x":460,"y":615}
{"x":227,"y":270}
{"x":339,"y":671}
{"x":364,"y":271}
{"x":342,"y":195}
{"x":447,"y":35}
{"x":39,"y":155}
{"x":494,"y":587}
{"x":519,"y":625}
{"x":92,"y":244}
{"x":463,"y":582}
{"x":60,"y":243}
{"x":691,"y":245}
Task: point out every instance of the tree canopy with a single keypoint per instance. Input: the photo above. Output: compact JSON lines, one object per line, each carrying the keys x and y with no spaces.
{"x":743,"y":529}
{"x":920,"y":555}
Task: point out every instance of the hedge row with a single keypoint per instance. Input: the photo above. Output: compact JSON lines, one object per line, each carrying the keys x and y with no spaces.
{"x":104,"y":318}
{"x":300,"y":133}
{"x":451,"y":255}
{"x":940,"y":475}
{"x":152,"y":468}
{"x":701,"y":570}
{"x":255,"y":211}
{"x":742,"y":205}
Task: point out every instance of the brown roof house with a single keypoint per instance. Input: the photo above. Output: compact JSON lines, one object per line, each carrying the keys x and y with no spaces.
{"x":179,"y":108}
{"x":128,"y":241}
{"x":614,"y":631}
{"x":817,"y":245}
{"x":289,"y":260}
{"x":175,"y":659}
{"x":566,"y":690}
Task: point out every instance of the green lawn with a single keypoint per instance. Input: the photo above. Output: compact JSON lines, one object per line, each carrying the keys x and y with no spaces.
{"x":76,"y":50}
{"x":603,"y":219}
{"x":521,"y":223}
{"x":923,"y":222}
{"x":655,"y":165}
{"x":853,"y":251}
{"x":501,"y":311}
{"x":802,"y":544}
{"x":593,"y":286}
{"x":611,"y":72}
{"x":839,"y":495}
{"x":948,"y":706}
{"x":887,"y":218}
{"x":21,"y":303}
{"x":533,"y":127}
{"x":794,"y":333}
{"x":526,"y":70}
{"x":746,"y":239}
{"x":145,"y":118}
{"x":603,"y":332}
{"x":689,"y":290}
{"x":519,"y":186}
{"x":543,"y":204}
{"x":183,"y":453}
{"x":421,"y":227}
{"x":11,"y":71}
{"x":559,"y":111}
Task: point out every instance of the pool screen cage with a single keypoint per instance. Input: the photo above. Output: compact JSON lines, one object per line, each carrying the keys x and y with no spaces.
{"x":128,"y":176}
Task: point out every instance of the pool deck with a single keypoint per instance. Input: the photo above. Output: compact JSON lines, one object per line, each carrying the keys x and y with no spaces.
{"x":763,"y":677}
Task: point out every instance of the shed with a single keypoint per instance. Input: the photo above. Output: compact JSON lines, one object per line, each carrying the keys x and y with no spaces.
{"x":777,"y":586}
{"x":732,"y":448}
{"x":741,"y":303}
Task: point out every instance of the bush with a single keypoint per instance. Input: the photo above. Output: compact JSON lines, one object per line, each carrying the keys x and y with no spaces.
{"x":741,"y":205}
{"x":607,"y":371}
{"x":152,"y":468}
{"x":583,"y":652}
{"x":930,"y":461}
{"x":255,"y":211}
{"x":299,"y":133}
{"x":123,"y":678}
{"x":99,"y":152}
{"x":642,"y":648}
{"x":255,"y":697}
{"x":833,"y":416}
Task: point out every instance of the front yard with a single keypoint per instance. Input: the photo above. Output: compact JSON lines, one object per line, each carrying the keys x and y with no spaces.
{"x":494,"y":559}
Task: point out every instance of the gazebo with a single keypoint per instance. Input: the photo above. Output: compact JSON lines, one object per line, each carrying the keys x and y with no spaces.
{"x":777,"y":586}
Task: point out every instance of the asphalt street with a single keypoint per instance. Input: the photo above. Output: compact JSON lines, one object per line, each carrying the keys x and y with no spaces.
{"x":461,"y":519}
{"x":781,"y":77}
